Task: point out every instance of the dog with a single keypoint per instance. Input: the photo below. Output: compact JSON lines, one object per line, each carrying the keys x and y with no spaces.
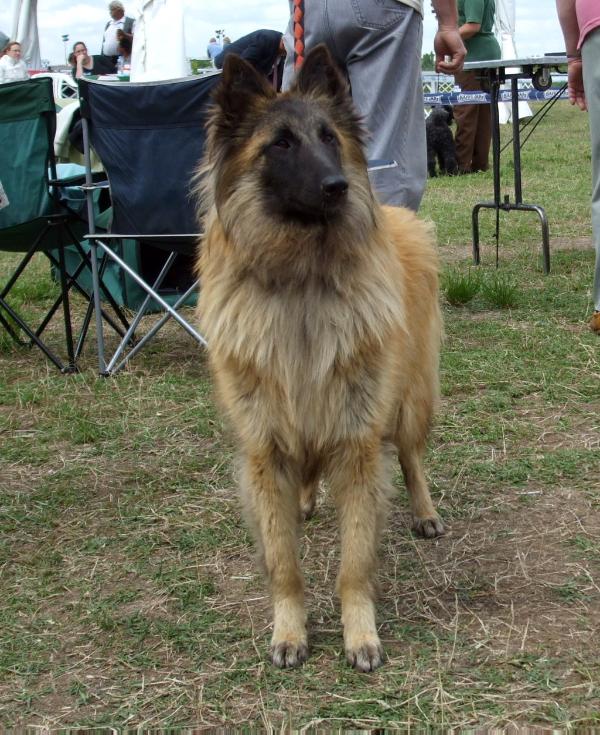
{"x":321,"y":312}
{"x":440,"y":142}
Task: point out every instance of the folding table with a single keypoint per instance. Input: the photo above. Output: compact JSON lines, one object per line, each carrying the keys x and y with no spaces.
{"x":495,"y":73}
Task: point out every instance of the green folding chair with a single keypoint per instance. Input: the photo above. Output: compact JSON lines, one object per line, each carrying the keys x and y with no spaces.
{"x":33,"y":219}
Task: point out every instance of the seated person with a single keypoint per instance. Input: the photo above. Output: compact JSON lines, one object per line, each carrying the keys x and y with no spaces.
{"x":12,"y":66}
{"x":263,"y":49}
{"x":85,"y":65}
{"x":124,"y":58}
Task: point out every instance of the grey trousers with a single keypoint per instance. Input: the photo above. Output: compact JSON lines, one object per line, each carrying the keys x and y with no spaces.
{"x":590,"y":52}
{"x":378,"y":43}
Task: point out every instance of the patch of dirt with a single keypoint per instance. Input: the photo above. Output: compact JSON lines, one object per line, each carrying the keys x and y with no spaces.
{"x":571,"y":243}
{"x":514,"y":578}
{"x":451,"y":253}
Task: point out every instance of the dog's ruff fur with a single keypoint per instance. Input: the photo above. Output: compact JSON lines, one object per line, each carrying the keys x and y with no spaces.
{"x":322,"y":319}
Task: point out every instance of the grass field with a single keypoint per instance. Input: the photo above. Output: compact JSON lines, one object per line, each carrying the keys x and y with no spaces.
{"x":128,"y":593}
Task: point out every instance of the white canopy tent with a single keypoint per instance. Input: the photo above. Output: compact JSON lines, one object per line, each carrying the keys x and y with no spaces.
{"x":159,"y":42}
{"x":505,"y":32}
{"x":158,"y":46}
{"x":25,"y":31}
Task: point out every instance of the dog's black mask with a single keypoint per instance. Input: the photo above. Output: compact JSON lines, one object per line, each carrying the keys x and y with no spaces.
{"x":303,"y":177}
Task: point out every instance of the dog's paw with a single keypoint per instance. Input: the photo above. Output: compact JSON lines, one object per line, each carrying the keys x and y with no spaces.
{"x":366,"y":657}
{"x":286,"y":654}
{"x":428,"y":527}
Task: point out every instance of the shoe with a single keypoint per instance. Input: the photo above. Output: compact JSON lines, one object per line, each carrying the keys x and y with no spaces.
{"x":595,"y":322}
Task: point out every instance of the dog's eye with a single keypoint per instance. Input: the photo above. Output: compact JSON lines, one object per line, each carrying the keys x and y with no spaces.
{"x":327,"y":136}
{"x":283,"y":143}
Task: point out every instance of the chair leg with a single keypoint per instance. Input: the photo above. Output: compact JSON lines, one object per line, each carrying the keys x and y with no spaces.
{"x":18,"y":321}
{"x":8,"y":326}
{"x":64,"y":289}
{"x":147,"y":337}
{"x":17,"y":273}
{"x":138,"y":317}
{"x":97,"y":307}
{"x":32,"y":335}
{"x":72,"y":283}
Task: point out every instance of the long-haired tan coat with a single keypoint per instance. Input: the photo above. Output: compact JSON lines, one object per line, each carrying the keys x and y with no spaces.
{"x":321,"y":312}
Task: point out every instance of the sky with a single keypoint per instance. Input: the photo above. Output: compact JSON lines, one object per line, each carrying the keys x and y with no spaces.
{"x":537,"y":29}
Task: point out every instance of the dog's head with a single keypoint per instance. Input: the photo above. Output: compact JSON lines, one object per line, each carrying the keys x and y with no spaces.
{"x":450,"y":110}
{"x":441,"y":115}
{"x":301,"y":153}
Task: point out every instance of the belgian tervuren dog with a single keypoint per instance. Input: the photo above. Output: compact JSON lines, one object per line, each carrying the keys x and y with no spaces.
{"x":321,"y":312}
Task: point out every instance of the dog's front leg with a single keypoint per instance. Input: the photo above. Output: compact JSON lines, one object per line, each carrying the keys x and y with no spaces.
{"x":360,"y":486}
{"x":270,"y":491}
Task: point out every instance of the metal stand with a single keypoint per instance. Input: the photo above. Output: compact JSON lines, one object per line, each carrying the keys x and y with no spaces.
{"x":497,"y":75}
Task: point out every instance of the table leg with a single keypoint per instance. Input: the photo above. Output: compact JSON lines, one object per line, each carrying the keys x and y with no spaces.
{"x":516,"y":138}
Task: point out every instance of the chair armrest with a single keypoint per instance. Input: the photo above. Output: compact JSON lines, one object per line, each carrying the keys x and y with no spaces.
{"x":98,"y":177}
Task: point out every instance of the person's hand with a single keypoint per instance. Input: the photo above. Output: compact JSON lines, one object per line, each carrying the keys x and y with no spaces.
{"x":120,"y":34}
{"x":575,"y":83}
{"x":448,"y":43}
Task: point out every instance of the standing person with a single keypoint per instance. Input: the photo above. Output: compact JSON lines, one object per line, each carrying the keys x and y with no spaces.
{"x":118,"y":26}
{"x":378,"y":44}
{"x":474,"y":122}
{"x":580,"y":23}
{"x":213,"y":49}
{"x":12,"y":66}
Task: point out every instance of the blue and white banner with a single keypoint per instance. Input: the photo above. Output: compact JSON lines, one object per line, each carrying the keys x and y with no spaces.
{"x":483,"y":98}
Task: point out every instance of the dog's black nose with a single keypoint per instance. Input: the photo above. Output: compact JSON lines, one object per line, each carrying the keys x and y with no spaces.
{"x":333,"y":187}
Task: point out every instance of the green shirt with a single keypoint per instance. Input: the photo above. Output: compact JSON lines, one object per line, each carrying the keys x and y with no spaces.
{"x":483,"y":45}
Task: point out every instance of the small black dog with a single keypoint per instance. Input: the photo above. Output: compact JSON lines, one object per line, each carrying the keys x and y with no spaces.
{"x":440,"y":142}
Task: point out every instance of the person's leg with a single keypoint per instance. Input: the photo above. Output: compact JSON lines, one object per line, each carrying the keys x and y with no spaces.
{"x":483,"y":139}
{"x":315,"y":30}
{"x":379,"y":45}
{"x":384,"y":68}
{"x":466,"y":117}
{"x":591,"y":82}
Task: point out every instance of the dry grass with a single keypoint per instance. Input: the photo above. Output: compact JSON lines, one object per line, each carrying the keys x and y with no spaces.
{"x":128,"y":592}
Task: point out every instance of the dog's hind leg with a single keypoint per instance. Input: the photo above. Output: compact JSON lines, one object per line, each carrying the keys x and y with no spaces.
{"x":450,"y":164}
{"x":426,"y":522}
{"x":360,"y":487}
{"x":431,"y":161}
{"x":411,"y":431}
{"x":270,"y":492}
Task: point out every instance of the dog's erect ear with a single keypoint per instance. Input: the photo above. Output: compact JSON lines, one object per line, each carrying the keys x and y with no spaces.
{"x":319,"y":73}
{"x":240,"y":88}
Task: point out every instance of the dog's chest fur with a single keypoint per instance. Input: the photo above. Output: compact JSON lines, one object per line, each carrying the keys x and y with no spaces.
{"x":303,"y":361}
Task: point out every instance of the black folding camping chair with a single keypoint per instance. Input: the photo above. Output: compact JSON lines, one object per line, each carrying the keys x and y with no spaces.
{"x":35,"y":219}
{"x":150,"y":138}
